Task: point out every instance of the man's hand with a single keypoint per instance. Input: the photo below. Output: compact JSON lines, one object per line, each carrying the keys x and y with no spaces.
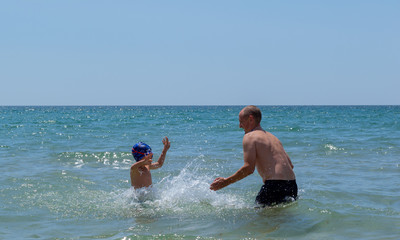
{"x":219,"y":183}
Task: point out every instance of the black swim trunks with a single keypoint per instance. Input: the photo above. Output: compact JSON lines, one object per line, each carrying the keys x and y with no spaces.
{"x":277,"y":191}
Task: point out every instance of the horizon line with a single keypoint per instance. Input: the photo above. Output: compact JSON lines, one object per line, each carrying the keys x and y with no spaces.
{"x":197,"y":105}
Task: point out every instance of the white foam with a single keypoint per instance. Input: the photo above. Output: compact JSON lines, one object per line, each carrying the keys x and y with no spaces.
{"x":332,"y":147}
{"x":188,"y":192}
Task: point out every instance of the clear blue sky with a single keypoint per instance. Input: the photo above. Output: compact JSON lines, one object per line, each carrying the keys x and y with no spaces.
{"x":95,"y":52}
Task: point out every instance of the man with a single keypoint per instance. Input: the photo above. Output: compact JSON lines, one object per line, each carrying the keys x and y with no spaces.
{"x":263,"y":151}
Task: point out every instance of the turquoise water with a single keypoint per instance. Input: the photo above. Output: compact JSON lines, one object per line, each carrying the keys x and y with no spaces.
{"x":65,"y":173}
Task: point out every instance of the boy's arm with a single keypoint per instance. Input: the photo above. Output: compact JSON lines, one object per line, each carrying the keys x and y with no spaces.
{"x":145,"y":161}
{"x":161,"y":159}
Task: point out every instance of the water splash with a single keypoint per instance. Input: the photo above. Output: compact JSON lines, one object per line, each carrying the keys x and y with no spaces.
{"x":186,"y":193}
{"x":71,"y":195}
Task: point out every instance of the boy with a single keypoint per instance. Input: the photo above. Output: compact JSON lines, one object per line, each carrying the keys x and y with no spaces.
{"x":140,"y":171}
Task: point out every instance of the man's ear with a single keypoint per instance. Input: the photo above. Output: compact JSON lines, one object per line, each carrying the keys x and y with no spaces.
{"x":251,"y":117}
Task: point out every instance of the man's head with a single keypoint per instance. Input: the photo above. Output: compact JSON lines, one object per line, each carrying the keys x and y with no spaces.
{"x":249,"y":118}
{"x":140,"y":150}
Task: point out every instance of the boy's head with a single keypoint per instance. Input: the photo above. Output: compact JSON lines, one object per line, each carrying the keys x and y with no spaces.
{"x":139,"y":150}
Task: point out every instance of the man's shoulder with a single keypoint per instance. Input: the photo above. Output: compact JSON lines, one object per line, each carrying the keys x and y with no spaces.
{"x":257,"y":137}
{"x":256,"y":134}
{"x":251,"y":137}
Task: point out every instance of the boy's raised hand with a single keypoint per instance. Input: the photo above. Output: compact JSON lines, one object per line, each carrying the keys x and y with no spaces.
{"x":166,"y":143}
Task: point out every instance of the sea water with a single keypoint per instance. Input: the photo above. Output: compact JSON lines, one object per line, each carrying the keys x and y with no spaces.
{"x":65,"y":173}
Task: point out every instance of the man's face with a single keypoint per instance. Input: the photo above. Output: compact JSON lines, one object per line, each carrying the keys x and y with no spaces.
{"x":245,"y":122}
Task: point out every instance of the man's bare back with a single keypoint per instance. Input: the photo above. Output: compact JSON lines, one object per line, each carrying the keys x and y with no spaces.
{"x":272,"y":162}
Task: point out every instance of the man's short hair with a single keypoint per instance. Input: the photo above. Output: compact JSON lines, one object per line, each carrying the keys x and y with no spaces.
{"x":254,"y":111}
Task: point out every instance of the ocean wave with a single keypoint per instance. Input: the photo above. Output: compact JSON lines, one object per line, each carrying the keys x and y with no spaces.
{"x":332,"y":147}
{"x":118,"y":160}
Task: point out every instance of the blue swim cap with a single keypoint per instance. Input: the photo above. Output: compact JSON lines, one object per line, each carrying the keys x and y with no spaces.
{"x":140,"y":149}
